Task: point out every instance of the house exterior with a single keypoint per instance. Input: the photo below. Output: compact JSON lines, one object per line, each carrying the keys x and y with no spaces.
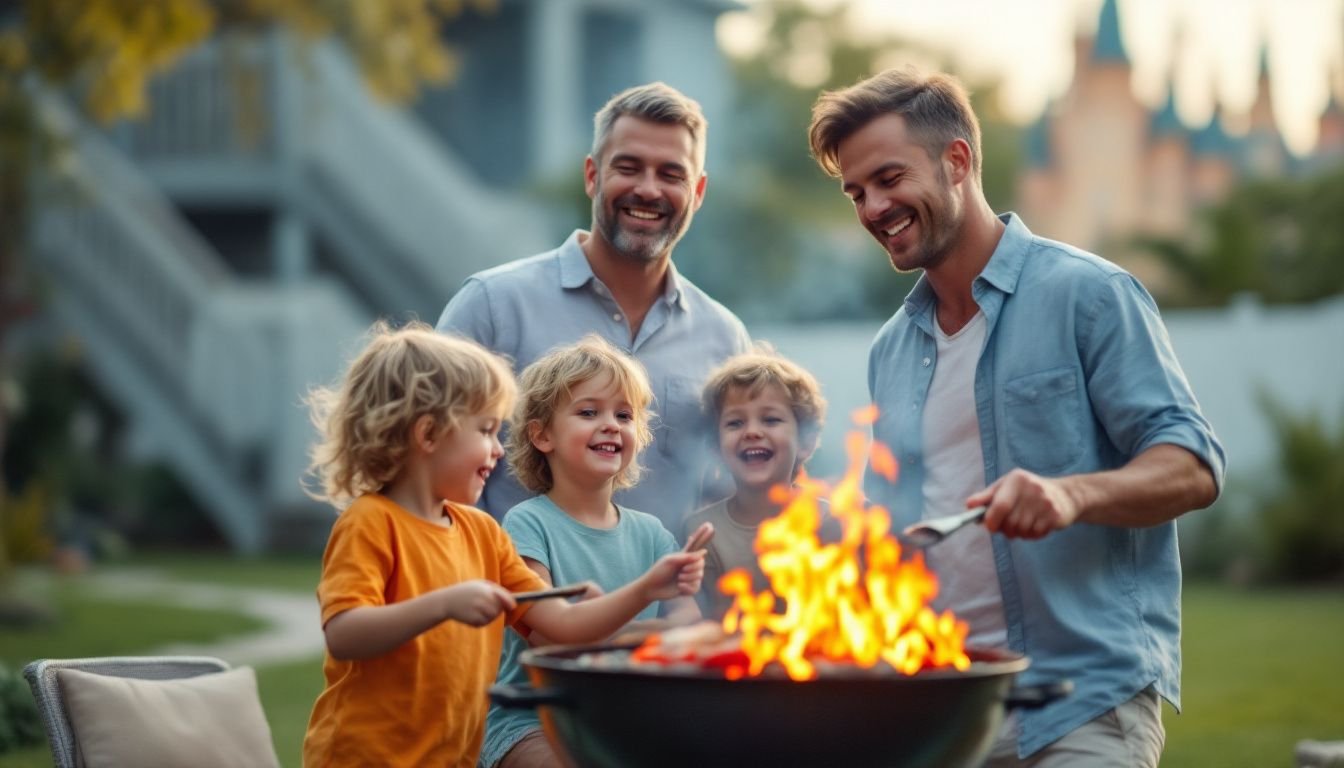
{"x":222,"y":256}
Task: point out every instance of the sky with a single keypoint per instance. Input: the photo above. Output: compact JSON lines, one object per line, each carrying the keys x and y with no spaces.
{"x":1209,"y":50}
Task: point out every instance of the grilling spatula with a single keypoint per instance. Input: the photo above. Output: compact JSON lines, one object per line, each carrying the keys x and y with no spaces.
{"x":926,"y":533}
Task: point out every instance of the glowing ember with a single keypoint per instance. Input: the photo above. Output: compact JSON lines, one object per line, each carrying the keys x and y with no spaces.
{"x":852,"y":602}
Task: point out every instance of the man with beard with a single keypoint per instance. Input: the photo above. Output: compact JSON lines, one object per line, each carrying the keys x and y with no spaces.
{"x":1036,"y":380}
{"x":646,"y":179}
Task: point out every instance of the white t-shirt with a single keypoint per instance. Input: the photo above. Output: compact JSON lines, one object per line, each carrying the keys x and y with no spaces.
{"x":954,"y":467}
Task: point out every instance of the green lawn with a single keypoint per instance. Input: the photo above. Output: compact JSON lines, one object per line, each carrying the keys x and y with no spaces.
{"x":287,"y":694}
{"x":1262,"y":668}
{"x":89,"y":626}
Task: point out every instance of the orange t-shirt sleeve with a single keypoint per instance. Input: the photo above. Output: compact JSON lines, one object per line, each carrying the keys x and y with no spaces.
{"x":356,"y":567}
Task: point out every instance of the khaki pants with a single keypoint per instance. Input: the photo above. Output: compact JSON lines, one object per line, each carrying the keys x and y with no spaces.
{"x":1129,"y":736}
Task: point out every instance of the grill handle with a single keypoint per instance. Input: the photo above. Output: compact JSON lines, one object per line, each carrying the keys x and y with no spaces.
{"x":1037,"y":696}
{"x":527,"y":697}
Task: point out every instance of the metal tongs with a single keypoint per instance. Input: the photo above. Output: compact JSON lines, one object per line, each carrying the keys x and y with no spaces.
{"x":926,"y":533}
{"x":542,"y":594}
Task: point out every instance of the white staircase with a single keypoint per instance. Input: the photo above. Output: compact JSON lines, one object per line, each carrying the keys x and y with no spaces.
{"x":207,"y":369}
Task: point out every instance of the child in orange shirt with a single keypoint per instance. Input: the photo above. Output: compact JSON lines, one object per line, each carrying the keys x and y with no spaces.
{"x":416,"y":584}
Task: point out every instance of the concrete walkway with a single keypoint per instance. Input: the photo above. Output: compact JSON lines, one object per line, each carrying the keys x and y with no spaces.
{"x":294,"y":631}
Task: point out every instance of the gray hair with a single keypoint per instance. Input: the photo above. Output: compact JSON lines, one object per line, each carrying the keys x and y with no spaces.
{"x":657,"y":103}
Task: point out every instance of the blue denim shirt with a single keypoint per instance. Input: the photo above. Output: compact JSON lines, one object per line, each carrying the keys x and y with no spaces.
{"x":525,"y":308}
{"x":1077,"y":375}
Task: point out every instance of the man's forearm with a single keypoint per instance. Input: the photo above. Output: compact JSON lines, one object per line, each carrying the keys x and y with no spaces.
{"x":1160,"y":484}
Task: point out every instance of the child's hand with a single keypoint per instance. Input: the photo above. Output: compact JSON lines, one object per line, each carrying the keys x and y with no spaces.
{"x":476,"y":602}
{"x":675,"y":575}
{"x":700,"y":539}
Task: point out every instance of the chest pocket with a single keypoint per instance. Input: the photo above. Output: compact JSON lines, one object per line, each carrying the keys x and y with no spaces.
{"x":678,"y":430}
{"x":1043,"y":415}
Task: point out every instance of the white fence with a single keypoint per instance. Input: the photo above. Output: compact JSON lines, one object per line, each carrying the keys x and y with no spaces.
{"x":1294,"y":354}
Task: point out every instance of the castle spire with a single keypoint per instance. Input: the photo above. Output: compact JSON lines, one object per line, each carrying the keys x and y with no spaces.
{"x":1109,"y":47}
{"x":1167,"y":122}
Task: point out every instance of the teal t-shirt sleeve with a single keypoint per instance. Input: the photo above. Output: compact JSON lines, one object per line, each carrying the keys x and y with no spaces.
{"x":525,"y":526}
{"x":665,"y":544}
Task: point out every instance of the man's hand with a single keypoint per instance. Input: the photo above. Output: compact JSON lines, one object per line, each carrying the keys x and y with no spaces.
{"x":1024,"y":505}
{"x":476,"y":602}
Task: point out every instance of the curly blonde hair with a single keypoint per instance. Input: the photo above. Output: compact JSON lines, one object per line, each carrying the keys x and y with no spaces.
{"x":546,"y":386}
{"x":364,"y":425}
{"x":752,"y":372}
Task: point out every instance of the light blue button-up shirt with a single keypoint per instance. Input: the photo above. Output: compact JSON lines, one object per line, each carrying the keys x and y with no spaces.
{"x":1077,"y":375}
{"x":525,"y":308}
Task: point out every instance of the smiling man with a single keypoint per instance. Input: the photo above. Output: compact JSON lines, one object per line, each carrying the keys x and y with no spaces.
{"x":1037,"y":380}
{"x":646,"y":179}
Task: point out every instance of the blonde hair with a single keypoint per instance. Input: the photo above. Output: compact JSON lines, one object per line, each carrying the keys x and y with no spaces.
{"x":935,"y":107}
{"x":364,"y":425}
{"x":546,"y":386}
{"x":752,"y":372}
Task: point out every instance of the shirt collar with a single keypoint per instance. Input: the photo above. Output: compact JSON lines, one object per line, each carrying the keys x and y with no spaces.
{"x":1003,"y":270}
{"x":576,"y":272}
{"x":1010,"y":256}
{"x":672,"y":293}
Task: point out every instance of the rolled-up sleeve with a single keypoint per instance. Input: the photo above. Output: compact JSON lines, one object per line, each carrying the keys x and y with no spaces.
{"x":1138,"y":391}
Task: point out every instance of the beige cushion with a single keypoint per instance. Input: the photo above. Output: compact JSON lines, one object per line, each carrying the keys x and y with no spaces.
{"x":210,"y":720}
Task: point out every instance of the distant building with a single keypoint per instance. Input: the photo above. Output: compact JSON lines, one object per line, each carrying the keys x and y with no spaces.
{"x":1101,"y":167}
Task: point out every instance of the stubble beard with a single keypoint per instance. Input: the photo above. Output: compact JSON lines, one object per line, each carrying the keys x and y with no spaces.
{"x":640,"y":247}
{"x":939,"y":229}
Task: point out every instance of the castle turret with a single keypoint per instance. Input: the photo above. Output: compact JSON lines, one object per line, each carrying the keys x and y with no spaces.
{"x":1330,"y":132}
{"x":1037,"y":192}
{"x":1168,"y":172}
{"x":1214,"y":167}
{"x":1100,"y":195}
{"x":1264,"y":152}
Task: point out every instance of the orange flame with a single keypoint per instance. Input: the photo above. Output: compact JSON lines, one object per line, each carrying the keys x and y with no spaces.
{"x":852,"y":601}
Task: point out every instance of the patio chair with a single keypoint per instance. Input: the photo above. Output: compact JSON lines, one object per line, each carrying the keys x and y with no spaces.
{"x":153,"y":710}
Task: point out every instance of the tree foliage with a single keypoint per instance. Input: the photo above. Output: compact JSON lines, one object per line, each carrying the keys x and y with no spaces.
{"x":779,"y":218}
{"x":108,"y":50}
{"x":1304,"y":525}
{"x":1280,"y":239}
{"x":105,"y":53}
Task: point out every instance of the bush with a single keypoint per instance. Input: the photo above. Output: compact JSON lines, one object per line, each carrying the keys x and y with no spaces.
{"x":20,"y":725}
{"x":1222,"y":543}
{"x":1304,"y":525}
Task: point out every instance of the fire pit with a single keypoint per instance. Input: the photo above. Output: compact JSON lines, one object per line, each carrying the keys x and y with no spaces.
{"x":609,"y":717}
{"x":842,"y":662}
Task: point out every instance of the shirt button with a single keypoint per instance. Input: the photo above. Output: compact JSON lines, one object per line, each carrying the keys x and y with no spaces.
{"x":617,"y":318}
{"x":926,"y":362}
